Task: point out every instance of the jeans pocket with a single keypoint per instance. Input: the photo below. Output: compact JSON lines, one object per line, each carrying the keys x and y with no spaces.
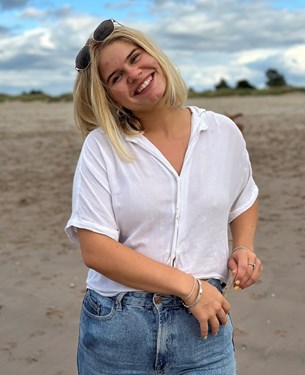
{"x":232,"y":328}
{"x":97,"y":306}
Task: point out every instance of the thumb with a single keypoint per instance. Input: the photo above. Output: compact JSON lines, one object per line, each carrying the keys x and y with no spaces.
{"x":232,"y":265}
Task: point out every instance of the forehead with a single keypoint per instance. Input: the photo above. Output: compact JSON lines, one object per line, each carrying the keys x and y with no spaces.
{"x":113,"y":55}
{"x":117,"y":50}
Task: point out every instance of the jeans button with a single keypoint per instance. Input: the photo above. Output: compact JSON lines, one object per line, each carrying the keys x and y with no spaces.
{"x":158,"y":299}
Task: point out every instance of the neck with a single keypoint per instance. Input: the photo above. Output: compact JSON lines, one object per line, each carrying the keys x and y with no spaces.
{"x":165,"y":121}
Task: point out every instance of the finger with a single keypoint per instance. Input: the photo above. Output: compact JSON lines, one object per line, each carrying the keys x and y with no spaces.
{"x":242,"y":267}
{"x":214,"y":325}
{"x":222,"y":317}
{"x":247,"y":276}
{"x":245,"y":268}
{"x":226,"y":306}
{"x":204,"y":329}
{"x":232,"y":265}
{"x":255,"y":274}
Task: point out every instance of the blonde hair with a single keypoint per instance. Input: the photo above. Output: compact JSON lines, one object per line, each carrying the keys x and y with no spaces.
{"x":94,"y":108}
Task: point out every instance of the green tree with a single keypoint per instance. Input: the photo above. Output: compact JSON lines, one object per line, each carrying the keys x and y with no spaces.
{"x":192,"y":91}
{"x":274,"y":78}
{"x":244,"y":84}
{"x":222,"y":85}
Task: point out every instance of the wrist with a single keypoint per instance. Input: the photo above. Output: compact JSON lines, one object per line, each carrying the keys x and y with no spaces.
{"x":189,"y":296}
{"x":241,"y":247}
{"x":187,"y":288}
{"x":195,"y":297}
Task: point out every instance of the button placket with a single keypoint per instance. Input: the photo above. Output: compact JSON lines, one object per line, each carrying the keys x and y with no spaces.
{"x":177,"y":224}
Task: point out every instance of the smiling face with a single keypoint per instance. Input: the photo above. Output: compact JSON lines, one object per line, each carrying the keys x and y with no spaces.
{"x":132,"y":77}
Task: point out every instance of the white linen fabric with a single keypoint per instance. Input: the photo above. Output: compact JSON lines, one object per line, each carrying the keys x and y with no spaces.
{"x":180,"y":220}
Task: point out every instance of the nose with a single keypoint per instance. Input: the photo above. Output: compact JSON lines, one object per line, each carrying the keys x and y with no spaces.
{"x":133,"y":74}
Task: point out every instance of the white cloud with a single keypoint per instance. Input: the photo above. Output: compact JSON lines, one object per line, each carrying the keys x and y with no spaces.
{"x":294,"y":59}
{"x":231,"y":39}
{"x":43,"y":57}
{"x":32,"y":13}
{"x":206,"y":39}
{"x":11,"y":4}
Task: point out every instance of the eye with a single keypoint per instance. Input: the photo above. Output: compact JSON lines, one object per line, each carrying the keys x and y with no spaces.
{"x":116,"y":78}
{"x":135,"y":57}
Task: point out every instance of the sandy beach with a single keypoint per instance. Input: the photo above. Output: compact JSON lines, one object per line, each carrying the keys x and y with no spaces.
{"x":42,"y":277}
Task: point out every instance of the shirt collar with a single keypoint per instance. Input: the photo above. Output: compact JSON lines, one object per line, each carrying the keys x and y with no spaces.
{"x":199,"y":124}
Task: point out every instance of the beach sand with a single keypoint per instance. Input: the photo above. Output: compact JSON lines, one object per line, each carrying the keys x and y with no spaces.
{"x":42,"y":277}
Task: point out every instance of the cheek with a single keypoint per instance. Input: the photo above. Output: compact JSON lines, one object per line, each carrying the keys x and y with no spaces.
{"x":118,"y":96}
{"x":162,"y":76}
{"x":162,"y":82}
{"x":164,"y":79}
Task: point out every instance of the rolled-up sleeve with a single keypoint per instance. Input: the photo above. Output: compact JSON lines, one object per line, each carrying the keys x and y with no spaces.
{"x":91,"y":199}
{"x":244,"y":185}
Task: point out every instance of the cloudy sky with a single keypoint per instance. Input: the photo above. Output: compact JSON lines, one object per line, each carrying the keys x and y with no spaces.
{"x":207,"y":39}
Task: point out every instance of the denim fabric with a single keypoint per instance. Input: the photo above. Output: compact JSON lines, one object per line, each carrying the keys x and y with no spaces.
{"x":146,"y":333}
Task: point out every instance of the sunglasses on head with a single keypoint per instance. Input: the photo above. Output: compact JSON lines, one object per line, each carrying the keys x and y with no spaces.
{"x":104,"y":29}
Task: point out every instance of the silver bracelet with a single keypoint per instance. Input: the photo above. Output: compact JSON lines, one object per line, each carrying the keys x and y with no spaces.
{"x":193,"y":288}
{"x":197,"y":298}
{"x":240,"y":248}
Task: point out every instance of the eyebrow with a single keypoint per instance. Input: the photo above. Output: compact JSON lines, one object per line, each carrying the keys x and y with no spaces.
{"x":127,"y":58}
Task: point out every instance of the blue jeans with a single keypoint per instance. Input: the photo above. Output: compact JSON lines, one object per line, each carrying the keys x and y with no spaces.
{"x":146,"y":333}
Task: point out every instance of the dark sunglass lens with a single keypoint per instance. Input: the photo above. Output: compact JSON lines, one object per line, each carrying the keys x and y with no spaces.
{"x":103,"y":30}
{"x":82,"y":60}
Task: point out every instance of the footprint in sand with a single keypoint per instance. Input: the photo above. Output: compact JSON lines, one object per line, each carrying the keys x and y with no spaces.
{"x":281,"y":333}
{"x":52,"y":312}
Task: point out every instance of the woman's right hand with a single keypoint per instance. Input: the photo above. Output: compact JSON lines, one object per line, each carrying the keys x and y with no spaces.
{"x":211,"y":310}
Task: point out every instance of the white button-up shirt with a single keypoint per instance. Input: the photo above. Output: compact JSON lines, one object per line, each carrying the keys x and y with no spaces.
{"x":179,"y":220}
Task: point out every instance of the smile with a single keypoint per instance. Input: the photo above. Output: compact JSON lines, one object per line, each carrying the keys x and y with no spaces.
{"x":144,"y":85}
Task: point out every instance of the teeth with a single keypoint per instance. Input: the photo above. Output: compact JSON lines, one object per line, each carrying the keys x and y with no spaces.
{"x":144,"y":85}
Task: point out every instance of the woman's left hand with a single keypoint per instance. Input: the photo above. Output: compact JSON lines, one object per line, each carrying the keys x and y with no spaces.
{"x":246,"y":267}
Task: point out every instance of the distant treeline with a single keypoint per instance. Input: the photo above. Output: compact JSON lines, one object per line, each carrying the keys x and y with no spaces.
{"x":244,"y":92}
{"x":40,"y":96}
{"x":36,"y":95}
{"x":275,"y":85}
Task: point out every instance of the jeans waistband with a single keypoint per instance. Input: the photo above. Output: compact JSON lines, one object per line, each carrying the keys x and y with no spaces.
{"x":146,"y":299}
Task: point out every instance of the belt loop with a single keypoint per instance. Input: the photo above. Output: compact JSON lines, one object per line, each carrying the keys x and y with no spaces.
{"x":118,"y":302}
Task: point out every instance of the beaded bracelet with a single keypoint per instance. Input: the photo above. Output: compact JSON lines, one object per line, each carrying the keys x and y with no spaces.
{"x":197,"y":298}
{"x":193,"y":288}
{"x":240,"y":248}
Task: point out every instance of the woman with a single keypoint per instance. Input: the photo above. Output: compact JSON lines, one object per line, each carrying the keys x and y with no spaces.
{"x":155,"y":188}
